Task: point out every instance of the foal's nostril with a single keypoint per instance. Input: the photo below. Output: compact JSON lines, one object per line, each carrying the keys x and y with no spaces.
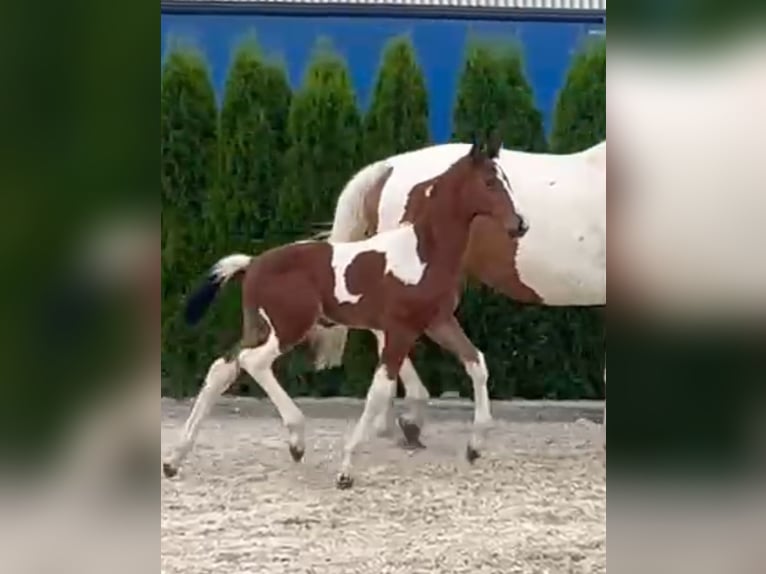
{"x":523,"y":227}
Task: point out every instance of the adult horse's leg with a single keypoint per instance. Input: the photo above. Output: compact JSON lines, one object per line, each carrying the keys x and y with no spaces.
{"x":416,"y":397}
{"x":450,"y":336}
{"x":222,"y":373}
{"x":396,"y":344}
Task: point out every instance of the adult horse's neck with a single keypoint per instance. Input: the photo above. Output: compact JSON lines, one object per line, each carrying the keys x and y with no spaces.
{"x":443,"y":227}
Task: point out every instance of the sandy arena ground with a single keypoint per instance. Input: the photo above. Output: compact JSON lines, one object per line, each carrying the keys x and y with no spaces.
{"x":535,"y":503}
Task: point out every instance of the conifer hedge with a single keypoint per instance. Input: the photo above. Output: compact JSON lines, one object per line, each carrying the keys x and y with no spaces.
{"x":397,"y":119}
{"x":579,"y":120}
{"x":188,"y":148}
{"x":252,"y":146}
{"x":279,"y":163}
{"x":324,"y":139}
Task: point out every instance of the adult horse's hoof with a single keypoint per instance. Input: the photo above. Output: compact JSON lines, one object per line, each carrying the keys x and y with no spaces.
{"x":297,"y":452}
{"x":169,"y":470}
{"x":344,"y":481}
{"x":471,"y":454}
{"x":411,"y":433}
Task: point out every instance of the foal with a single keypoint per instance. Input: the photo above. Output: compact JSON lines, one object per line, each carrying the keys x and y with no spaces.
{"x":399,"y":284}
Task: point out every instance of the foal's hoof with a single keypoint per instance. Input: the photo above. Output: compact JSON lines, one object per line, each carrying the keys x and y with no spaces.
{"x":471,"y":454}
{"x":169,"y":470}
{"x":344,"y":482}
{"x":411,"y":433}
{"x":297,"y":452}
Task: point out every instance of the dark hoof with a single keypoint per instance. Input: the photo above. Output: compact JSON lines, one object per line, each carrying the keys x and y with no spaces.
{"x":471,"y":454}
{"x":296,"y":453}
{"x":168,"y":470}
{"x":411,"y":433}
{"x":344,"y":482}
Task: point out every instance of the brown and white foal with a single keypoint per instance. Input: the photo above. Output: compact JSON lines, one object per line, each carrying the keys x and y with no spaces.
{"x":400,"y":284}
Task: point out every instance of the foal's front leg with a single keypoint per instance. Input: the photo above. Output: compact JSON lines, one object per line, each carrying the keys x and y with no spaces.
{"x":396,"y":345}
{"x":450,"y":336}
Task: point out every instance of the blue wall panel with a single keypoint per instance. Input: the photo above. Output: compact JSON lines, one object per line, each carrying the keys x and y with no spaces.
{"x":440,"y":44}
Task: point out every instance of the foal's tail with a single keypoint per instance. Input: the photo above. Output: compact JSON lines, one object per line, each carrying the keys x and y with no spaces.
{"x":231,"y":266}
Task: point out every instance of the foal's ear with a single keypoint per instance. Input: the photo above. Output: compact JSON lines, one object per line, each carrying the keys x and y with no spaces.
{"x":495,"y":143}
{"x":476,"y":149}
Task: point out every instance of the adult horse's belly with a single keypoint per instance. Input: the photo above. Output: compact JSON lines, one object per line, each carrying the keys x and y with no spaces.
{"x":564,"y":268}
{"x":563,"y":256}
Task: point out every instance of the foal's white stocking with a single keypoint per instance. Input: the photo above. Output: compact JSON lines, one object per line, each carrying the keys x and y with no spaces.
{"x":377,"y":396}
{"x":384,"y":422}
{"x":257,"y":362}
{"x":220,"y":376}
{"x":482,"y":419}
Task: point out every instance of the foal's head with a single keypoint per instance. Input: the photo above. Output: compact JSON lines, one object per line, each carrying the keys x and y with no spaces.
{"x":482,"y":188}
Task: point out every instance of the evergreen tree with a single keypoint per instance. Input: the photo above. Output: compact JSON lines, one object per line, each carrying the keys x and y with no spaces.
{"x":324,"y":131}
{"x":397,"y":120}
{"x":522,"y":127}
{"x":482,"y":94}
{"x":493,"y":93}
{"x":579,"y":119}
{"x":251,"y":150}
{"x":188,"y":152}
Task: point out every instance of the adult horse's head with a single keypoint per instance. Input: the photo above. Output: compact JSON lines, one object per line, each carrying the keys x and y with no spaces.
{"x":486,"y":190}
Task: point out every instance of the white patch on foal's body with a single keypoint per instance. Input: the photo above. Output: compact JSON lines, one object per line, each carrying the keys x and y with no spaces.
{"x":562,"y":197}
{"x":399,"y":248}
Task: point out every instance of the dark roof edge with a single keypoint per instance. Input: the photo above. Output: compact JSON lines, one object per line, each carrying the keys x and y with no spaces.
{"x":379,"y":10}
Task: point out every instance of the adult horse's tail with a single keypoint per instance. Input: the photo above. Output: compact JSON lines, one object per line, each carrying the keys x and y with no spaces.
{"x":231,"y":266}
{"x":350,"y":223}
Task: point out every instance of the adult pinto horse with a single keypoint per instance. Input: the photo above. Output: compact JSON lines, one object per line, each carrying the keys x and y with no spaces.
{"x":400,"y":284}
{"x":560,"y":262}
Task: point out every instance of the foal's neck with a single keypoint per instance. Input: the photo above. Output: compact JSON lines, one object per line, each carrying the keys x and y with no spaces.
{"x":443,"y":229}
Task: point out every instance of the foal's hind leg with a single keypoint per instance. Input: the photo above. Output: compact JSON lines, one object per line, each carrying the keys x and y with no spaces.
{"x":450,"y":336}
{"x":257,"y":360}
{"x":222,"y":373}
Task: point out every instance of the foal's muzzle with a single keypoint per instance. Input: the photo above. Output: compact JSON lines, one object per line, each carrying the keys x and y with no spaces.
{"x":521,"y":230}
